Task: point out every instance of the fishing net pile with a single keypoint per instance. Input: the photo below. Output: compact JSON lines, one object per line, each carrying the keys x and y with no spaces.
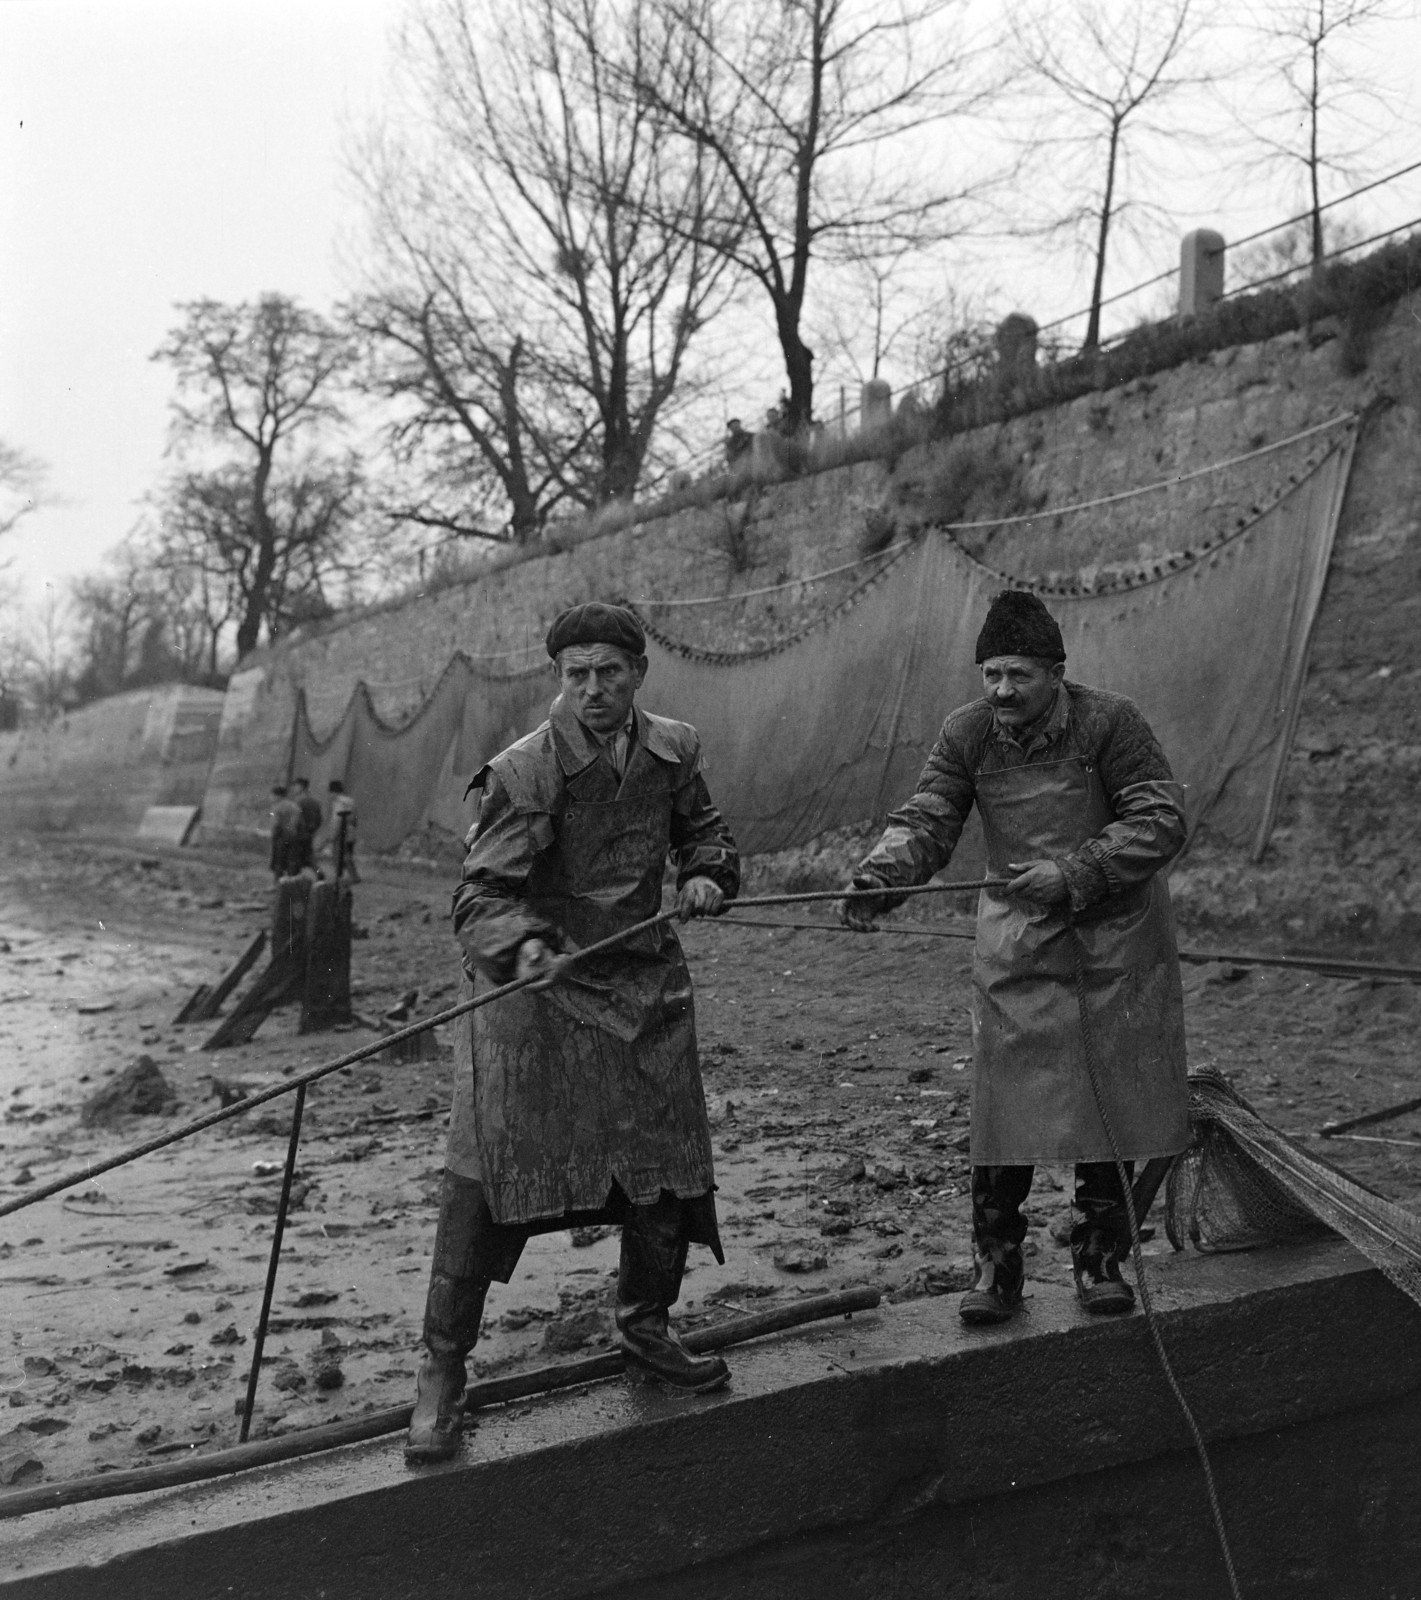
{"x":1243,"y":1183}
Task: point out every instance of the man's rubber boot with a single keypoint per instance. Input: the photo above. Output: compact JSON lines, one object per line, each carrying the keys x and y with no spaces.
{"x":648,"y":1285}
{"x":452,"y":1314}
{"x":996,"y":1295}
{"x":1095,"y":1262}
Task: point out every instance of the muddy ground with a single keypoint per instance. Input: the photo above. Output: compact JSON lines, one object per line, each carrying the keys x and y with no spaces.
{"x":836,"y":1070}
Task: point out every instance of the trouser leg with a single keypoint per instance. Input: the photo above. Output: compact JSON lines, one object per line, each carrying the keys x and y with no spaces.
{"x":455,"y":1303}
{"x":653,"y":1261}
{"x":1100,"y":1238}
{"x":998,"y":1227}
{"x":453,"y":1310}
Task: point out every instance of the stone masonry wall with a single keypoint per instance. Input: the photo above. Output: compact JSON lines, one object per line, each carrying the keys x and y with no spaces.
{"x":1340,"y":864}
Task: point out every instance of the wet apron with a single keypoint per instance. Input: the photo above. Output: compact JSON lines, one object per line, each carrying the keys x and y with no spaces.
{"x":1031,"y":1097}
{"x":596,"y":1078}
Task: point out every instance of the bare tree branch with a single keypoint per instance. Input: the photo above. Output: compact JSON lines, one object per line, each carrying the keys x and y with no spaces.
{"x":539,"y":278}
{"x":794,"y":103}
{"x":1321,"y":98}
{"x":1105,"y":66}
{"x":264,"y":376}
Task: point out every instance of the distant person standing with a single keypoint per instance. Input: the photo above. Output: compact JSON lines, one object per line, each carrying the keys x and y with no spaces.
{"x":285,"y":825}
{"x":303,"y":852}
{"x":342,"y":831}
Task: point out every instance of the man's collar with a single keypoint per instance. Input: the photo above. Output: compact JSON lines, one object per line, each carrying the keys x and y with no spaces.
{"x":578,"y":747}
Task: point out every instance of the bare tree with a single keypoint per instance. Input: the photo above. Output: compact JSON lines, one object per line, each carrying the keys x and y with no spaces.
{"x":542,"y":271}
{"x":1327,"y":94}
{"x":806,"y":107}
{"x":1106,"y":66}
{"x":214,"y":552}
{"x":120,"y":622}
{"x":487,"y":443}
{"x":21,"y":486}
{"x":261,"y":379}
{"x":42,"y":653}
{"x":882,"y":309}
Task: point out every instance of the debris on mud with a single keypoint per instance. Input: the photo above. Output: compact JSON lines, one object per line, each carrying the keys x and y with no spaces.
{"x":140,"y":1090}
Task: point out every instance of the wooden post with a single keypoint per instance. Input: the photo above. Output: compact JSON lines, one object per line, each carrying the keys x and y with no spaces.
{"x":1201,"y":271}
{"x":326,"y":999}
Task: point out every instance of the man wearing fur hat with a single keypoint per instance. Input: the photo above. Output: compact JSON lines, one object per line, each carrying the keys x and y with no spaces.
{"x":579,"y":1100}
{"x":1081,"y":813}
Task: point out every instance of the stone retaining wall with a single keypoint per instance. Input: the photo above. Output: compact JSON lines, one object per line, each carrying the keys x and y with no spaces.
{"x":99,"y":768}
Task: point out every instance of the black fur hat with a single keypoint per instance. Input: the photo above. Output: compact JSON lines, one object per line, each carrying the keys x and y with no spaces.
{"x":1018,"y":624}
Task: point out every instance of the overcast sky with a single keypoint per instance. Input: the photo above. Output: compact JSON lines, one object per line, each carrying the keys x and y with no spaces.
{"x":156,"y":151}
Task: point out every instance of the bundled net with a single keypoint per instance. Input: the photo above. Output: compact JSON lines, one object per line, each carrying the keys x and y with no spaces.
{"x":1242,"y":1184}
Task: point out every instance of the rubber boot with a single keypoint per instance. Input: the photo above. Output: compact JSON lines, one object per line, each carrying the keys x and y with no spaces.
{"x":995,"y":1295}
{"x":452,"y":1314}
{"x":998,"y":1229}
{"x":1100,"y":1240}
{"x":648,"y":1285}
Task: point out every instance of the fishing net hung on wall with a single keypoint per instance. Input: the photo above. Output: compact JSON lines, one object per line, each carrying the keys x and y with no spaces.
{"x":1243,"y":1184}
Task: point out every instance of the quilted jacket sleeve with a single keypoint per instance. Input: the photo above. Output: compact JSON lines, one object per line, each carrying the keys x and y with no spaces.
{"x":491,"y":918}
{"x":923,"y":832}
{"x":1149,"y":827}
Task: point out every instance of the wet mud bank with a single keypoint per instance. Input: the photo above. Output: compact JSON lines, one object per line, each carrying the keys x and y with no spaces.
{"x":891,"y":1455}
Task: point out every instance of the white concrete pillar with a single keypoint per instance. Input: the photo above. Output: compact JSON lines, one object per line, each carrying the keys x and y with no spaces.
{"x":1201,"y":271}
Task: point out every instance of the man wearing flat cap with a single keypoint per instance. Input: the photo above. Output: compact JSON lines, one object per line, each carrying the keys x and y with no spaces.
{"x":579,"y":1100}
{"x":1081,"y":814}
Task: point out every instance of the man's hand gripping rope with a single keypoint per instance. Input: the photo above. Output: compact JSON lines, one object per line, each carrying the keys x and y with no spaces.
{"x":540,"y":966}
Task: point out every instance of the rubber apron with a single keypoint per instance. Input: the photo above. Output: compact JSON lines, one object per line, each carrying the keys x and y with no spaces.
{"x":1031,"y":1097}
{"x":597,"y":1077}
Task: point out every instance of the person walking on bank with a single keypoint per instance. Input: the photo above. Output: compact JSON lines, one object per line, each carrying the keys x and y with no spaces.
{"x":285,"y":826}
{"x":1081,"y":813}
{"x":580,"y":1101}
{"x":303,"y":850}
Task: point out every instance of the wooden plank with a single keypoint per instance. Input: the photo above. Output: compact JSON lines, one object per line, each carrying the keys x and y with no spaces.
{"x":191,"y":1011}
{"x":244,"y":963}
{"x":285,"y":974}
{"x":168,"y":824}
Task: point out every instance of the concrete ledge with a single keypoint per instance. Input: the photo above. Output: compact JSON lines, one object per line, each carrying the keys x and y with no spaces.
{"x":891,"y":1455}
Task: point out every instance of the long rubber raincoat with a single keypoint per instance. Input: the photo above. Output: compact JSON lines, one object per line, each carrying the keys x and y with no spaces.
{"x":597,"y":1078}
{"x":1090,"y":789}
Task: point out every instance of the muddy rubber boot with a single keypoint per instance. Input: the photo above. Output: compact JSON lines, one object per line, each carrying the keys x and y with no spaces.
{"x":1100,"y":1240}
{"x":1095,"y":1262}
{"x":452,"y":1314}
{"x":998,"y":1229}
{"x":648,"y":1285}
{"x":996,"y":1295}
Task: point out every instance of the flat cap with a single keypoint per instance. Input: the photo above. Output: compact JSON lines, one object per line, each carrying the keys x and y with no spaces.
{"x":596,"y":623}
{"x":1018,"y":624}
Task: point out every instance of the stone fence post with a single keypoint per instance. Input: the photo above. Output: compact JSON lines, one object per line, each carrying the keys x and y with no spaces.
{"x":875,"y":404}
{"x":1016,"y":347}
{"x":1201,"y":271}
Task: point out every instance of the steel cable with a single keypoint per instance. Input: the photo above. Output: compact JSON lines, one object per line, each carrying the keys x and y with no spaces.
{"x":301,"y":1080}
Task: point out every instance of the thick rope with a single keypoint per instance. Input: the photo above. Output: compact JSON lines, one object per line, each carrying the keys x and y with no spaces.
{"x":251,"y":1102}
{"x":1093,"y":1072}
